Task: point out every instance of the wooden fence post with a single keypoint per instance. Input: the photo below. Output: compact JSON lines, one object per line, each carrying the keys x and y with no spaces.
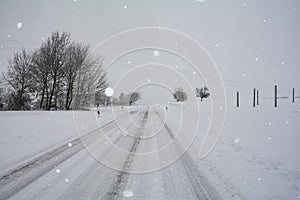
{"x":254,"y":97}
{"x":293,"y":95}
{"x":275,"y":95}
{"x":237,"y":99}
{"x":257,"y":101}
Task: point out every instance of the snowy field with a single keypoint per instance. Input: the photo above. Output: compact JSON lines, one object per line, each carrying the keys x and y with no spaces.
{"x":255,"y":158}
{"x":27,"y":134}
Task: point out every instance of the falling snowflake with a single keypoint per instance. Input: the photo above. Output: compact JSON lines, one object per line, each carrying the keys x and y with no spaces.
{"x":194,"y":73}
{"x":125,"y":6}
{"x":156,"y":53}
{"x":57,"y":170}
{"x":129,"y":62}
{"x":67,"y":180}
{"x":148,"y":79}
{"x":70,"y":144}
{"x":282,"y":62}
{"x":269,"y":138}
{"x":128,"y":193}
{"x":217,"y":45}
{"x":109,"y":92}
{"x":259,"y":179}
{"x":256,"y":59}
{"x":19,"y":25}
{"x":237,"y":140}
{"x":8,"y":36}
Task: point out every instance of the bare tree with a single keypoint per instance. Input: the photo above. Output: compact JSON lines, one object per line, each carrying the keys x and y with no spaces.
{"x":63,"y":74}
{"x":91,"y":79}
{"x":134,"y":97}
{"x":124,"y":99}
{"x":179,"y":94}
{"x":76,"y":55}
{"x":53,"y":55}
{"x":18,"y":78}
{"x":41,"y":76}
{"x":202,"y":92}
{"x":2,"y":94}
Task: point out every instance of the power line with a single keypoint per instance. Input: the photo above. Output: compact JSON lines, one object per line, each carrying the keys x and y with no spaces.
{"x":228,"y":83}
{"x":12,"y":41}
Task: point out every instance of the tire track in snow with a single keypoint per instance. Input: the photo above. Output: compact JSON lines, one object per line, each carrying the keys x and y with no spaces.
{"x":19,"y":178}
{"x":86,"y":184}
{"x":122,"y":177}
{"x":200,"y":184}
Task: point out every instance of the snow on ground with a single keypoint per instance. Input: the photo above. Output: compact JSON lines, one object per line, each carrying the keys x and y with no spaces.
{"x":255,"y":158}
{"x":257,"y":154}
{"x":26,"y":134}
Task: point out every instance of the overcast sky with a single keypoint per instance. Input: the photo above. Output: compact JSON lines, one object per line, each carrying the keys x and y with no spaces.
{"x":254,"y":43}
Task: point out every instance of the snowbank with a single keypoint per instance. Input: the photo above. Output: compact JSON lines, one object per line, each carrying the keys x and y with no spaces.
{"x":25,"y":134}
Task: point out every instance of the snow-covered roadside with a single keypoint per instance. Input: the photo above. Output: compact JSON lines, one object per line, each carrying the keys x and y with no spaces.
{"x":27,"y":134}
{"x":257,"y":154}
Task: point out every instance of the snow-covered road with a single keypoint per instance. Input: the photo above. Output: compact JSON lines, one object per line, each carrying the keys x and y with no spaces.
{"x":111,"y":164}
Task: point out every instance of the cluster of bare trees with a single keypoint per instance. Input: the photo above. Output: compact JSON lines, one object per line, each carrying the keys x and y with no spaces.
{"x":127,"y":99}
{"x":180,"y":95}
{"x":61,"y":74}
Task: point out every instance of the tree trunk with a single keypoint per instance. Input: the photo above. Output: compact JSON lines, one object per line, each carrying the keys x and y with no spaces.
{"x":43,"y":93}
{"x":51,"y":94}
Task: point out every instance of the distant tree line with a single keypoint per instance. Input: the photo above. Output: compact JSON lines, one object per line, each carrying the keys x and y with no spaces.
{"x":180,"y":95}
{"x":60,"y":75}
{"x":123,"y":100}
